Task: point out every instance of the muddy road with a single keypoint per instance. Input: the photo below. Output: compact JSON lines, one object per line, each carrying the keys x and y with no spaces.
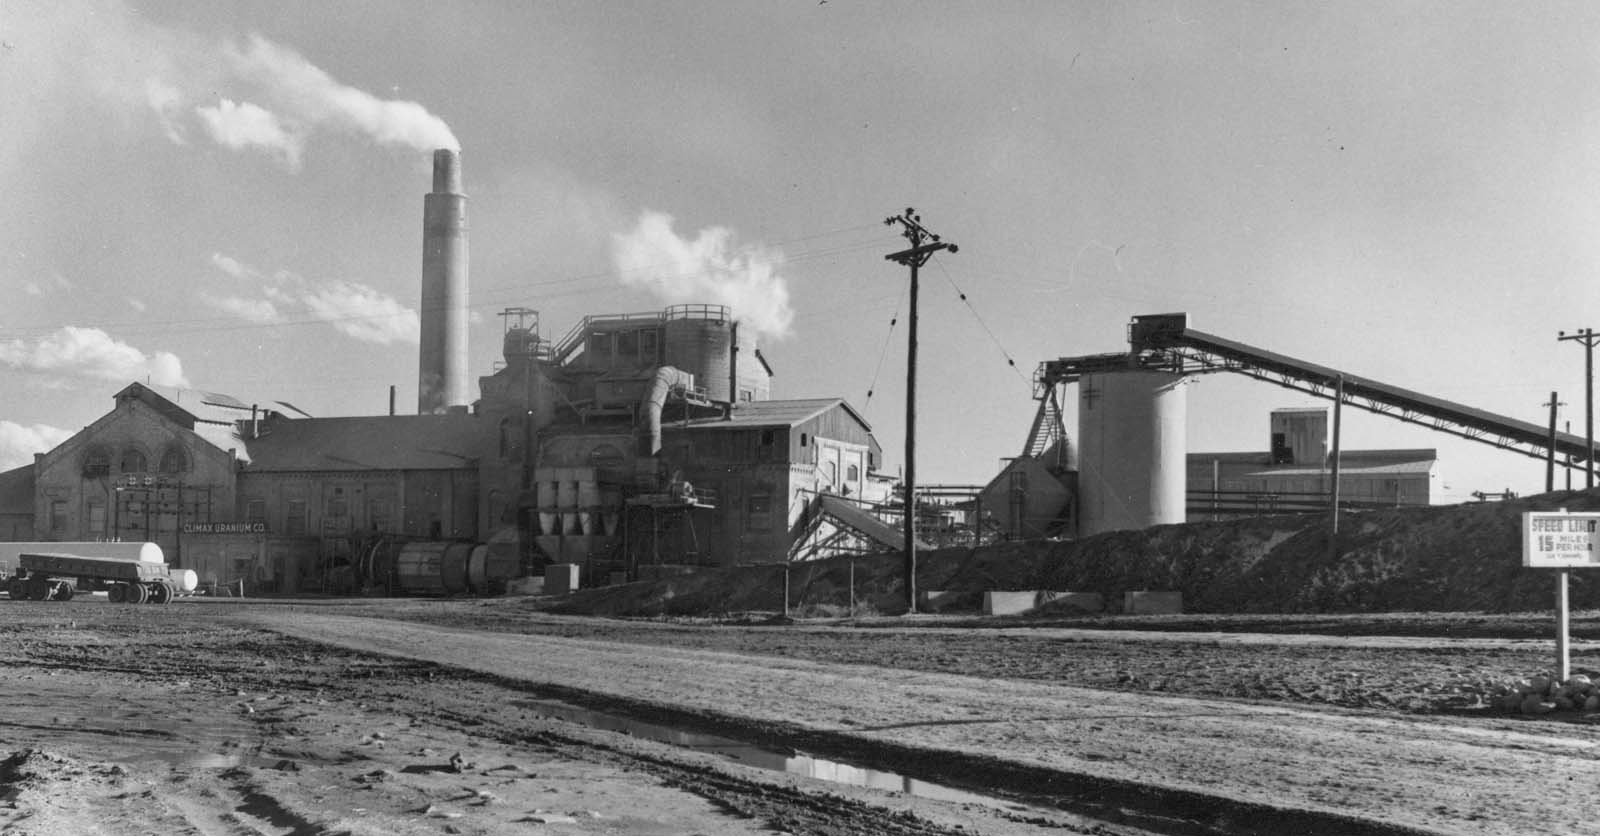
{"x":458,"y":717}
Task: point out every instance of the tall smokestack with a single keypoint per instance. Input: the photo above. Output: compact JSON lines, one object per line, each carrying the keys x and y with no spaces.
{"x":442,"y":366}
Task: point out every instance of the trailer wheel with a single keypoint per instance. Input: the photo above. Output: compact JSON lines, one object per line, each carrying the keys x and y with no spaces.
{"x":64,"y":591}
{"x":39,"y":589}
{"x":137,"y":594}
{"x":118,"y":593}
{"x":17,"y":588}
{"x":161,"y":593}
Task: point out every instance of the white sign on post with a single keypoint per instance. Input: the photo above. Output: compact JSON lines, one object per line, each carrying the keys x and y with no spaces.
{"x":1559,"y":540}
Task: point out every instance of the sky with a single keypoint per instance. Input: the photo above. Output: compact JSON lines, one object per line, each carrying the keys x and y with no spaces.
{"x":227,"y":196}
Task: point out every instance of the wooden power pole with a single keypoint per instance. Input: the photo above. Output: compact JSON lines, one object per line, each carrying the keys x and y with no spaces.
{"x":923,"y":245}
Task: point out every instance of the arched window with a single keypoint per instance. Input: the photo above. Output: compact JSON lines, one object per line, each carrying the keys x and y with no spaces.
{"x":853,"y":474}
{"x":174,"y":460}
{"x":133,"y":461}
{"x":96,"y":462}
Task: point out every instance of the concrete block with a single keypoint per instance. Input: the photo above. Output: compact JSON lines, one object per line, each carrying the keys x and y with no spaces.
{"x":561,"y":578}
{"x":1146,"y":602}
{"x":1009,"y":602}
{"x":1072,"y":602}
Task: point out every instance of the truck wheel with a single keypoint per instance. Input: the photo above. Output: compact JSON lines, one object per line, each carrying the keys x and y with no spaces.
{"x":160,"y":593}
{"x":118,"y":593}
{"x":64,"y":591}
{"x":17,"y":588}
{"x":38,"y":589}
{"x":137,"y":594}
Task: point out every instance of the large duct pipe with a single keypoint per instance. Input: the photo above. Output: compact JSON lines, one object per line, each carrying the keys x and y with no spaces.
{"x":656,"y":398}
{"x":442,"y":358}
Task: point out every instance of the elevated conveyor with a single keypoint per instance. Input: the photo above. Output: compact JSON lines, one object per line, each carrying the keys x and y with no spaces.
{"x":1164,"y":342}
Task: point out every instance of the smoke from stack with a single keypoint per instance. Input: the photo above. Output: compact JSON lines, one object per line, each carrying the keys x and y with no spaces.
{"x":442,"y":357}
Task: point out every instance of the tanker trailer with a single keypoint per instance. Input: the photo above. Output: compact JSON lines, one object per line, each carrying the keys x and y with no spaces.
{"x":44,"y":576}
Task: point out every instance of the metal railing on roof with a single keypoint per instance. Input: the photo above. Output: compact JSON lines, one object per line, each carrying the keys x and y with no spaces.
{"x":575,"y":338}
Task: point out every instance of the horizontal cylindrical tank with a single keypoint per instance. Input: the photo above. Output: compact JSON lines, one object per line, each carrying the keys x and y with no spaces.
{"x":702,"y":347}
{"x":130,"y":551}
{"x":491,"y":566}
{"x":184,"y":579}
{"x":432,"y":568}
{"x":1132,"y":448}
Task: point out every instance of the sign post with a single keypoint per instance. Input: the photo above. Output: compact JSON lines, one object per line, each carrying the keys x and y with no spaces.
{"x":1562,"y":541}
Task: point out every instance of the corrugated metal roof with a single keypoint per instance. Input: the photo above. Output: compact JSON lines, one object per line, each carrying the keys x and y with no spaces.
{"x":785,"y":413}
{"x":1370,"y":462}
{"x":383,"y":442}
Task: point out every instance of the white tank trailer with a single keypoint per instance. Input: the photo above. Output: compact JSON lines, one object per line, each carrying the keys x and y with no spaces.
{"x":1132,"y":450}
{"x":135,"y":573}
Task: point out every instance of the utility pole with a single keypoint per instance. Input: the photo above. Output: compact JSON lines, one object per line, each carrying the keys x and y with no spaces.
{"x":1550,"y":458}
{"x":1338,"y":445}
{"x":923,"y":245}
{"x":1588,"y":337}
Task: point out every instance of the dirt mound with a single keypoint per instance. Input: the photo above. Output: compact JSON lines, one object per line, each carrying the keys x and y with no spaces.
{"x":1456,"y":558}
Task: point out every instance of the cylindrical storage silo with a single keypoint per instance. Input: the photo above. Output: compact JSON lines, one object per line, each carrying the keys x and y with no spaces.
{"x":702,"y":347}
{"x":453,"y":568}
{"x":417,"y":569}
{"x":1132,"y":450}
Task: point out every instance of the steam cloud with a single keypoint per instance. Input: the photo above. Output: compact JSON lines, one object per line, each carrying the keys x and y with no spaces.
{"x":708,"y":268}
{"x":91,"y":353}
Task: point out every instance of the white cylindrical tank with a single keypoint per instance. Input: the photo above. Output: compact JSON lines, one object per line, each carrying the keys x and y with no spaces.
{"x":130,"y":551}
{"x":1133,"y":449}
{"x":185,"y":580}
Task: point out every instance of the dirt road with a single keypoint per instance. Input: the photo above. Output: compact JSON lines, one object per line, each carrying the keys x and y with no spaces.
{"x":216,"y":719}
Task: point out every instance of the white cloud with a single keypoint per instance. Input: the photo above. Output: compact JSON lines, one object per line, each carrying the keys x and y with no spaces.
{"x":365,"y":314}
{"x":239,"y":125}
{"x":356,"y":310}
{"x":90,"y":353}
{"x":18,"y":442}
{"x":167,"y":102}
{"x":137,"y":304}
{"x":709,"y":269}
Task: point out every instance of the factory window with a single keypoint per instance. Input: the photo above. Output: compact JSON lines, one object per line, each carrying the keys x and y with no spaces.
{"x":97,"y":462}
{"x":804,"y":439}
{"x":97,"y":518}
{"x":769,"y":439}
{"x":255,"y":511}
{"x":628,"y":345}
{"x":294,"y":518}
{"x":338,"y":504}
{"x":853,"y":474}
{"x":133,"y":461}
{"x":174,"y":460}
{"x":647,"y":346}
{"x":380,"y":515}
{"x":58,"y":517}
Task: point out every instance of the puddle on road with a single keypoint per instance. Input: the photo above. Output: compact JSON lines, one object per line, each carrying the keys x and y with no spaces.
{"x":793,"y":763}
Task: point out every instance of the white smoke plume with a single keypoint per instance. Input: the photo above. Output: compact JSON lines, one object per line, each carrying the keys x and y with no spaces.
{"x":18,"y":442}
{"x":311,"y":98}
{"x":91,"y":353}
{"x":710,"y":268}
{"x":248,"y":94}
{"x":244,"y":125}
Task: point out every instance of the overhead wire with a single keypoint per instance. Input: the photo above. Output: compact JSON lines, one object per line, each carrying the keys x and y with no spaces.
{"x":974,"y":311}
{"x":893,"y":321}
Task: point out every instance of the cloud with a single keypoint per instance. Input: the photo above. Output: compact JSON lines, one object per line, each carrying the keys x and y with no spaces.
{"x":137,"y":304}
{"x":356,"y":310}
{"x":709,"y":268}
{"x":18,"y":442}
{"x":39,"y":287}
{"x":90,"y":353}
{"x":239,"y":125}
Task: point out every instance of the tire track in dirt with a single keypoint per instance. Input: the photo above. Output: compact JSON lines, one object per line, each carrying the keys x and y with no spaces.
{"x":1350,"y":771}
